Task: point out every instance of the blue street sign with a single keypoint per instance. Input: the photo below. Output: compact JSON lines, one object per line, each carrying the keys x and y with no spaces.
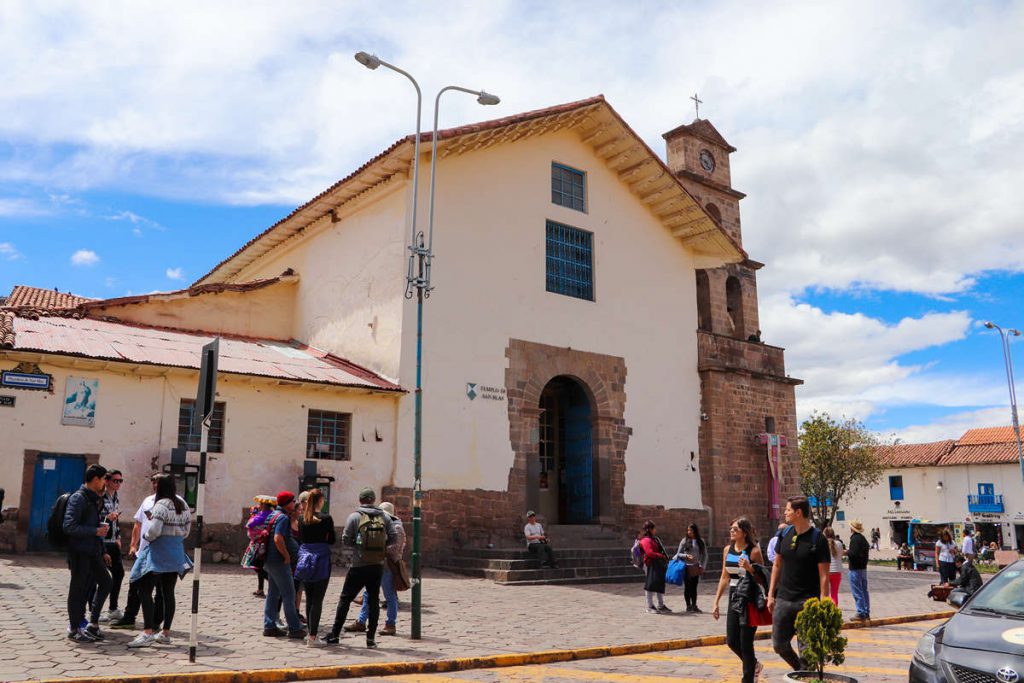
{"x":25,"y":380}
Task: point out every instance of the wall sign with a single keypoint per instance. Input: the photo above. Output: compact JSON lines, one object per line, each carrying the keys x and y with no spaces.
{"x":80,"y":402}
{"x":474,"y":391}
{"x":7,"y":401}
{"x":37,"y":381}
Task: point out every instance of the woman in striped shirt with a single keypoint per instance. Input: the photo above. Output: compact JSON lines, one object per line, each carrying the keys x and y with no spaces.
{"x":739,"y":557}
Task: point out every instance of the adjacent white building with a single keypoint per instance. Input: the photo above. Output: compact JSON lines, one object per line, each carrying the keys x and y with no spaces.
{"x":974,"y":481}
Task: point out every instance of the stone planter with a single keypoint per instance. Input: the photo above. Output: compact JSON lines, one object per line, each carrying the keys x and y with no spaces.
{"x":806,"y":676}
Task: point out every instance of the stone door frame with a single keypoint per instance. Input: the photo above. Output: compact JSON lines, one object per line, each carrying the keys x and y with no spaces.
{"x":602,"y":377}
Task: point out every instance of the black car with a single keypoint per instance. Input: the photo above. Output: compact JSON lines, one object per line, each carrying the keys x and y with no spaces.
{"x":981,"y":643}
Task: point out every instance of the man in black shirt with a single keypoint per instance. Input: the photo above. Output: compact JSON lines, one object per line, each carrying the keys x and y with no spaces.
{"x":800,"y":573}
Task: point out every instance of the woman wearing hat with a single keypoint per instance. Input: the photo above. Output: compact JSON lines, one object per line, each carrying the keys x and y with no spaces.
{"x":258,"y":515}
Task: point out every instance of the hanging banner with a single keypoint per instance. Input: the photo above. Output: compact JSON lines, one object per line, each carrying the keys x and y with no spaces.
{"x":80,"y":402}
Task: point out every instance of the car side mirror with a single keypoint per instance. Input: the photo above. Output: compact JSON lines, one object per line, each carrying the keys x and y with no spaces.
{"x":957,"y":598}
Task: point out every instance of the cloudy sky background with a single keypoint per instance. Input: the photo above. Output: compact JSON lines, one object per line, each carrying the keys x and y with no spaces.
{"x":879,"y":145}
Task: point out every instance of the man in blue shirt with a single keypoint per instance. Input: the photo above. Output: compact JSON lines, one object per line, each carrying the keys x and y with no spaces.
{"x":281,"y":547}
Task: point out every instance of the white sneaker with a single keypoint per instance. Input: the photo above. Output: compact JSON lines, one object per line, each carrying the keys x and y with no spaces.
{"x":143,"y":640}
{"x":313,"y":641}
{"x":111,"y":615}
{"x":161,"y":638}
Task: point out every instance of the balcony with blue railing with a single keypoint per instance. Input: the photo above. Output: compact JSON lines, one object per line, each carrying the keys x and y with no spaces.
{"x":985,"y":503}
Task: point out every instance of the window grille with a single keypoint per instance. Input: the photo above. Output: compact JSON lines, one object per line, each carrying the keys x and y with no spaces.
{"x":568,"y":187}
{"x":191,"y":440}
{"x":327,"y":435}
{"x":570,"y":258}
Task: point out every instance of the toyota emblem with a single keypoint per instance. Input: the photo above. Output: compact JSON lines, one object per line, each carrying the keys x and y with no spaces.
{"x":1007,"y":675}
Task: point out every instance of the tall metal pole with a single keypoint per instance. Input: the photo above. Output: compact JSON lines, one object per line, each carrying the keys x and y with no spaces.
{"x":1004,"y":337}
{"x":193,"y":636}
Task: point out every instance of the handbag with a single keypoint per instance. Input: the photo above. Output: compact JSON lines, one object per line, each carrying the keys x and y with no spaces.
{"x":399,"y":574}
{"x":676,"y":571}
{"x":694,"y":570}
{"x":758,"y":617}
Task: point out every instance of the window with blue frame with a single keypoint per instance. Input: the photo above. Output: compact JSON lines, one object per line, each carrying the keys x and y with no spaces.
{"x":896,"y":487}
{"x":568,"y":187}
{"x":570,"y":261}
{"x":840,"y":515}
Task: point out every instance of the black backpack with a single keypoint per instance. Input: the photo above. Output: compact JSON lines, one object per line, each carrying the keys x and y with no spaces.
{"x":55,"y":524}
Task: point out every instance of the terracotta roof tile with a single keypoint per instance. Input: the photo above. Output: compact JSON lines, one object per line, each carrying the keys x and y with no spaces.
{"x":915,"y":454}
{"x":35,"y":297}
{"x":6,"y":330}
{"x":60,"y":333}
{"x":981,"y":454}
{"x":987,"y":435}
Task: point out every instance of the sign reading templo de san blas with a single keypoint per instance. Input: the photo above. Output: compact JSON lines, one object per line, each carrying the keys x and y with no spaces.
{"x":475,"y":391}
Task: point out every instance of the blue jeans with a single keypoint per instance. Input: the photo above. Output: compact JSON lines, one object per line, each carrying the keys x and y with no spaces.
{"x":859,"y":588}
{"x":280,"y":586}
{"x":387,"y":585}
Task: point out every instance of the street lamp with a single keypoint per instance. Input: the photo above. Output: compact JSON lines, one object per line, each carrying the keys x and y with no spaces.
{"x":418,"y":279}
{"x":1004,"y":336}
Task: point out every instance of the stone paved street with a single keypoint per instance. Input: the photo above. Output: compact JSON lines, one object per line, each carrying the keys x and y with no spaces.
{"x":876,"y":655}
{"x":462,"y":617}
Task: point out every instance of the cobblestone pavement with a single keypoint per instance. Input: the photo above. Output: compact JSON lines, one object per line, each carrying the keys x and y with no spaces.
{"x":461,"y":617}
{"x":879,"y":655}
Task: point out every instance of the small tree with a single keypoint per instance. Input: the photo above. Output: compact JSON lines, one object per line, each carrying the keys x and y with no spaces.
{"x":818,"y":627}
{"x":836,"y":460}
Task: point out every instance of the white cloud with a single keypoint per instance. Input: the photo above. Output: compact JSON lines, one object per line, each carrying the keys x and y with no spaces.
{"x":84,"y":257}
{"x":20,"y":207}
{"x":136,"y":220}
{"x":8,"y":252}
{"x":953,"y":426}
{"x":175,"y":274}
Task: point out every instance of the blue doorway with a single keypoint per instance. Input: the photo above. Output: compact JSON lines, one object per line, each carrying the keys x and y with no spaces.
{"x":54,"y":474}
{"x":567,"y":453}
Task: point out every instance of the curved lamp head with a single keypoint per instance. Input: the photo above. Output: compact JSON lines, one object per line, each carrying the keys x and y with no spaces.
{"x":989,"y":325}
{"x":1015,"y":333}
{"x":368,"y":60}
{"x":487,"y":98}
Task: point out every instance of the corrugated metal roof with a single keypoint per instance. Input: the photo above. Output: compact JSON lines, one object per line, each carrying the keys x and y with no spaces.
{"x":915,"y":454}
{"x":116,"y":341}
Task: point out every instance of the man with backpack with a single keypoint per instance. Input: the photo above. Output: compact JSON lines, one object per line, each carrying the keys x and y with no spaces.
{"x":368,"y":531}
{"x":83,"y":531}
{"x":800,"y":572}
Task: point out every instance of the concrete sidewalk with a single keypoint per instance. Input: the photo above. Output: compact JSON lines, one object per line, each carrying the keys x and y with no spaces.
{"x":462,"y":617}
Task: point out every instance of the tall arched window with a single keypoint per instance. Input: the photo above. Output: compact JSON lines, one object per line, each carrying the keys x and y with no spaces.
{"x":703,"y":301}
{"x":734,"y":306}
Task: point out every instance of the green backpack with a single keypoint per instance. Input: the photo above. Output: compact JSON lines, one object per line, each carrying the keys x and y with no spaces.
{"x":372,"y":538}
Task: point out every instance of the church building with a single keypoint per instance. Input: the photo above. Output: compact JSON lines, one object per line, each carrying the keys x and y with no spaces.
{"x":591,"y":347}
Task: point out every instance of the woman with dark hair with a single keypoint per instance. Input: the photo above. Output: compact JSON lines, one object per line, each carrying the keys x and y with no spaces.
{"x":162,"y":561}
{"x":316,"y":536}
{"x":836,"y":550}
{"x":655,"y":564}
{"x":945,"y":555}
{"x":694,"y":552}
{"x":738,"y":563}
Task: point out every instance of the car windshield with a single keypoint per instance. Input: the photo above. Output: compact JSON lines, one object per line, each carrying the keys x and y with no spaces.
{"x":1004,"y":593}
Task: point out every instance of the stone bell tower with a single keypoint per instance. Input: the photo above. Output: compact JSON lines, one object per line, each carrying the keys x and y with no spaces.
{"x":746,"y":395}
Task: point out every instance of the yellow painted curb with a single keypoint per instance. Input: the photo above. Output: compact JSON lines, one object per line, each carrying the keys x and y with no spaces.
{"x":460,"y":664}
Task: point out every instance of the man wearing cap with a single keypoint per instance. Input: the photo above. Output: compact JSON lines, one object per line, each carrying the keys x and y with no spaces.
{"x":387,"y":583}
{"x":537,"y":542}
{"x":278,"y":565}
{"x":367,"y":567}
{"x":858,"y":558}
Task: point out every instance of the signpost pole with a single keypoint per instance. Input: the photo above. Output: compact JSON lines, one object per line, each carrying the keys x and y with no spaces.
{"x":202,"y":412}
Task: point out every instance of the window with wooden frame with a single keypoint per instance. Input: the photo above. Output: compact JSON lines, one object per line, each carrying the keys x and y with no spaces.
{"x":190,"y":439}
{"x":328,"y":435}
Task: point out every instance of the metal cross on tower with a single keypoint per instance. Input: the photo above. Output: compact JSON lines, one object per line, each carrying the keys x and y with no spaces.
{"x":696,"y":103}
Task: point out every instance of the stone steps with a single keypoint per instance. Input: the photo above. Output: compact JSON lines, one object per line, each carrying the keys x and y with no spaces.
{"x":608,"y":564}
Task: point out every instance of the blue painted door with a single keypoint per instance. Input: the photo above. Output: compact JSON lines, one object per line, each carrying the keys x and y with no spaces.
{"x":54,"y":475}
{"x":986,"y":489}
{"x":579,"y":465}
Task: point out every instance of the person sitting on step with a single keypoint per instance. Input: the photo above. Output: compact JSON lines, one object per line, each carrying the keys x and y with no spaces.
{"x":537,"y":541}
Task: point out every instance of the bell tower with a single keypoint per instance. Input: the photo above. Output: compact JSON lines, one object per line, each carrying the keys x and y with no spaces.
{"x":745,"y":392}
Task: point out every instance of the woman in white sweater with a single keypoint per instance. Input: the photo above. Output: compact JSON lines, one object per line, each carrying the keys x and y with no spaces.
{"x":162,"y":561}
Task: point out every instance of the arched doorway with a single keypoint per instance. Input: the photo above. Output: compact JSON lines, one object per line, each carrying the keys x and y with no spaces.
{"x":567,"y":481}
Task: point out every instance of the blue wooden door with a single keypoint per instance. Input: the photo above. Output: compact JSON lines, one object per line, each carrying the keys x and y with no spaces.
{"x":54,"y":475}
{"x":986,"y":489}
{"x":579,"y":465}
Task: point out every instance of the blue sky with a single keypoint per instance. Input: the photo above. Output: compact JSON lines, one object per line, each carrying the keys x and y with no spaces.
{"x":879,"y":146}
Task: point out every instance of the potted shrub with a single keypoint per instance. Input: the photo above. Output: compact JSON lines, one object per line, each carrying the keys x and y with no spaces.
{"x":819,"y":627}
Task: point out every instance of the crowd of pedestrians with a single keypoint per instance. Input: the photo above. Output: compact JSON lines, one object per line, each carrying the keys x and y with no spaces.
{"x":290,"y":546}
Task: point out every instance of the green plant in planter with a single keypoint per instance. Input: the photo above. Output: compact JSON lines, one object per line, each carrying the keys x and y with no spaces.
{"x":819,"y":627}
